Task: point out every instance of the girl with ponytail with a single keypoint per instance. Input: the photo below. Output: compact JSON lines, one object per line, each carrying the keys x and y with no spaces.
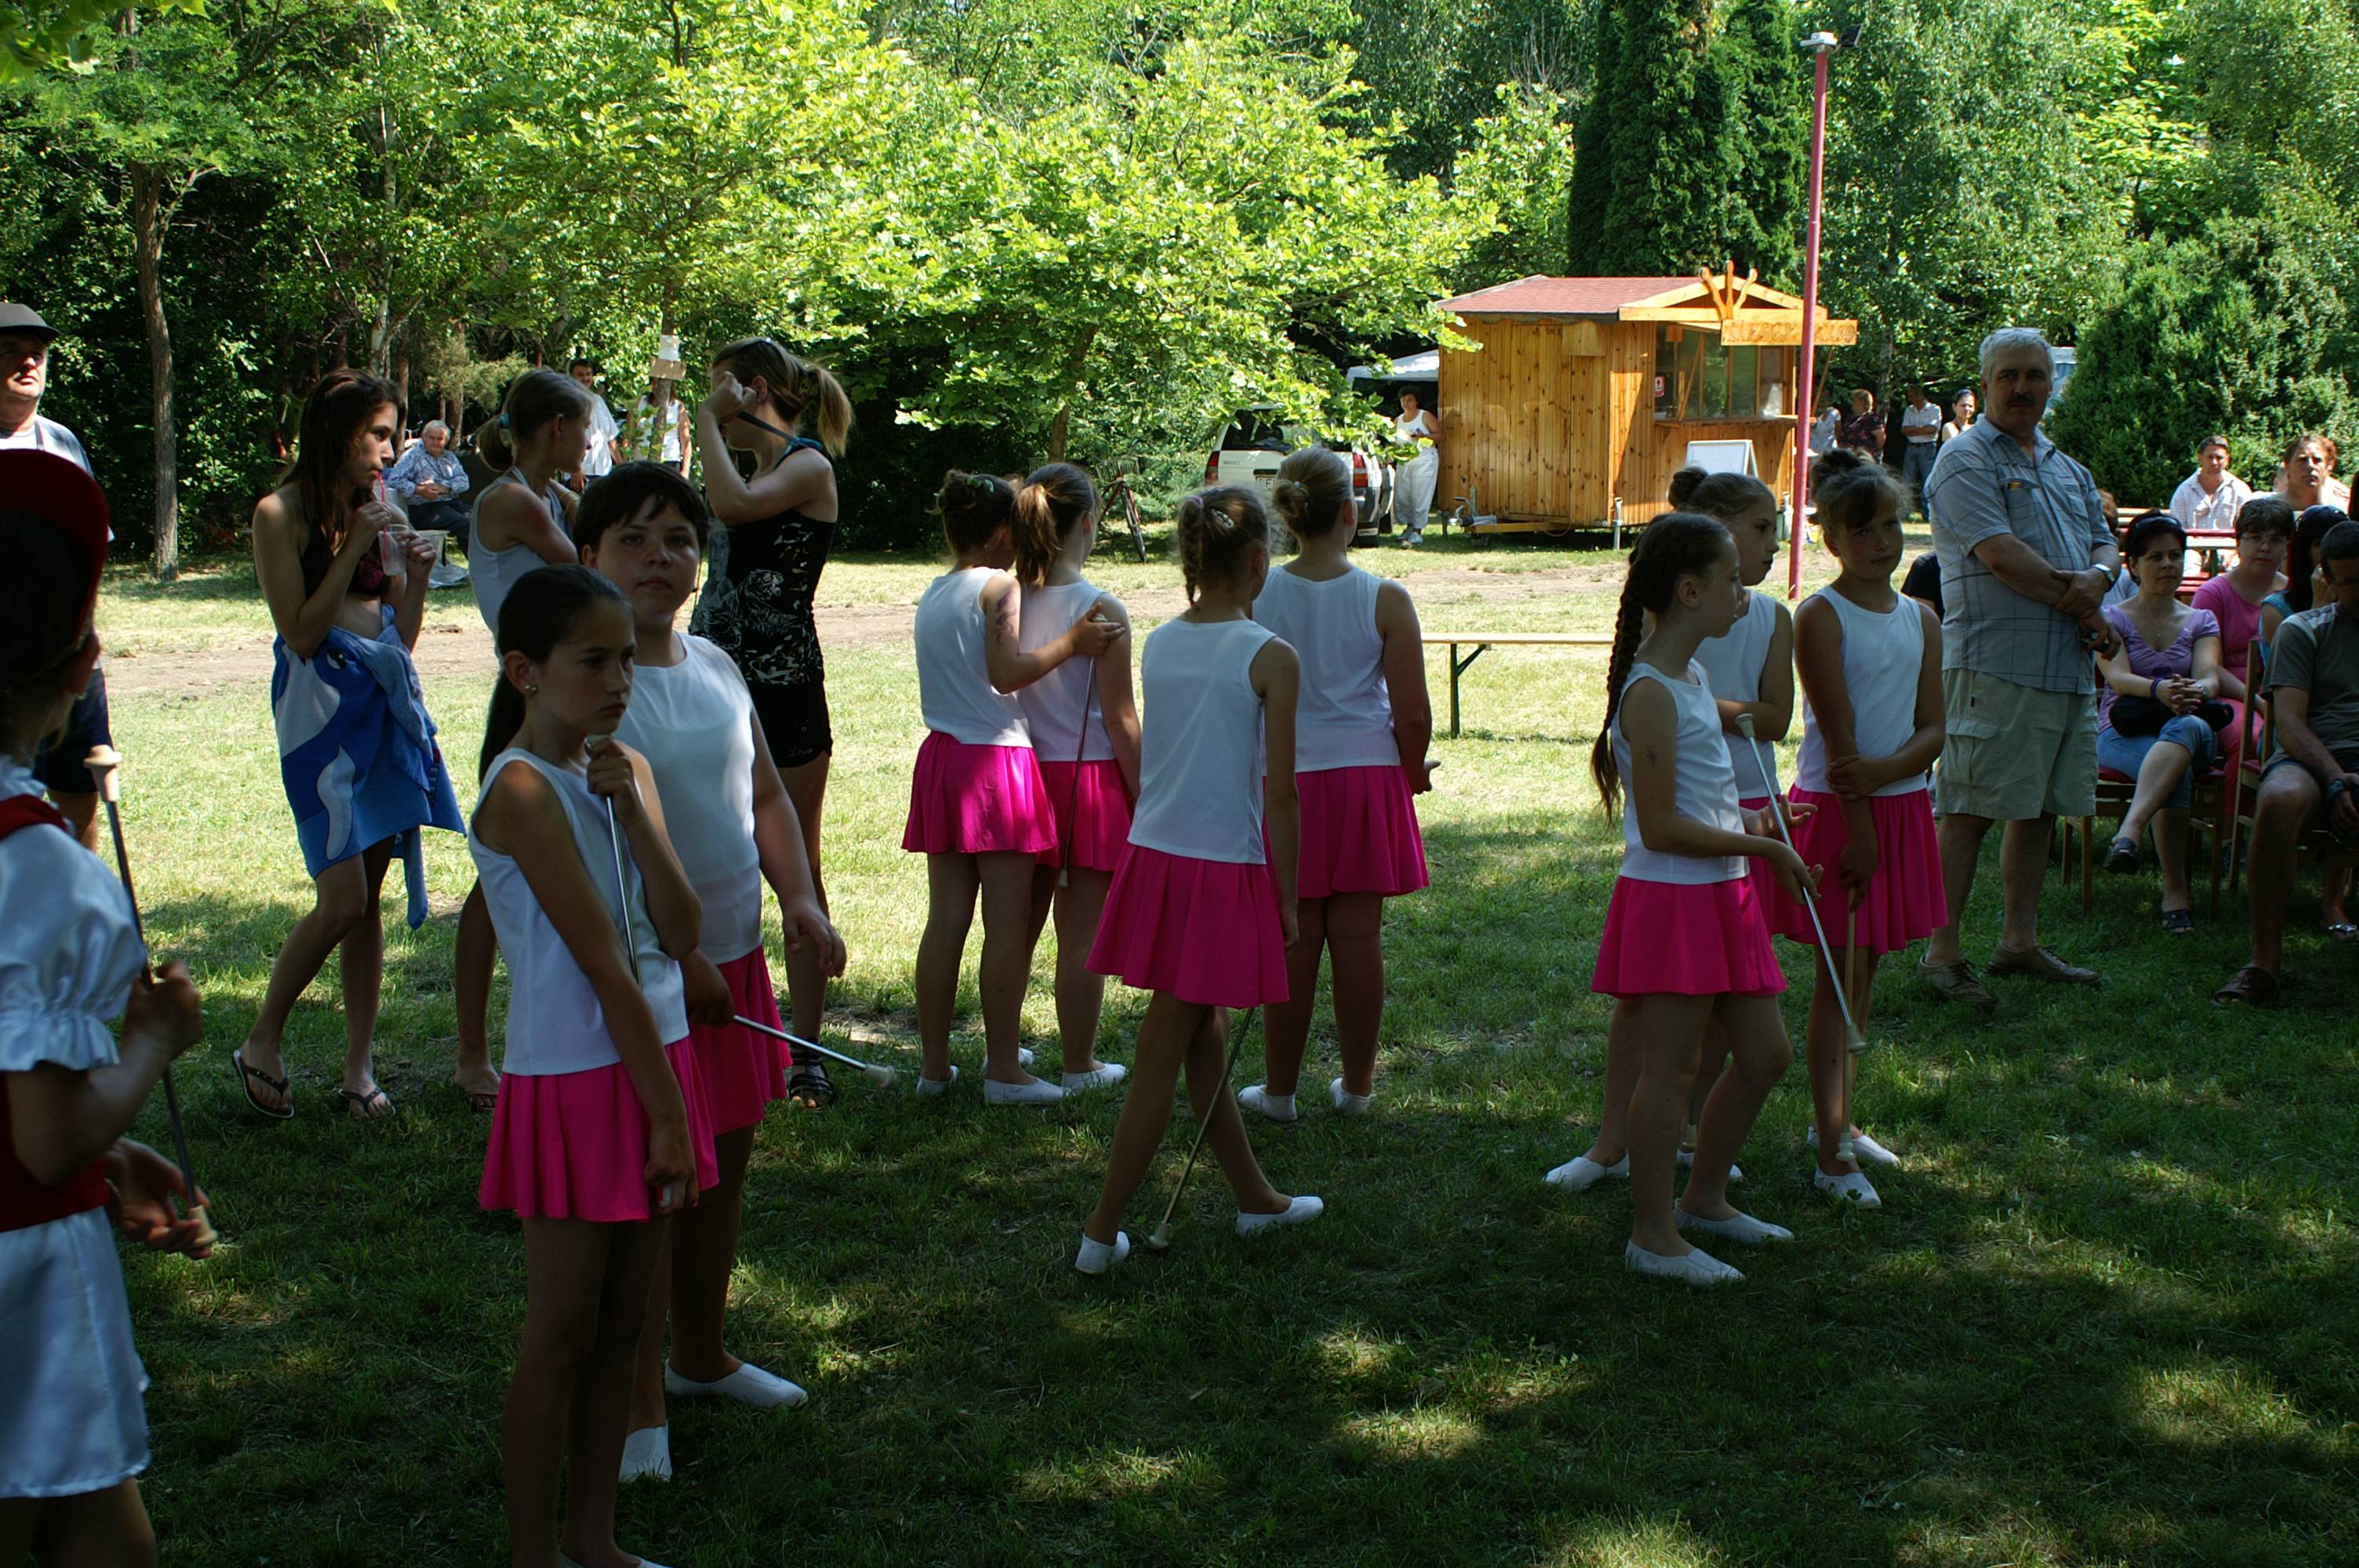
{"x":1362,"y":731}
{"x":1202,"y":909}
{"x":1685,"y":941}
{"x":524,"y":521}
{"x":770,"y":543}
{"x":978,"y":811}
{"x":1084,"y":729}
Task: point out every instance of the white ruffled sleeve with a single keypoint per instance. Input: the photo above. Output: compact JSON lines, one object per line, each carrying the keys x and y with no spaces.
{"x":68,"y":953}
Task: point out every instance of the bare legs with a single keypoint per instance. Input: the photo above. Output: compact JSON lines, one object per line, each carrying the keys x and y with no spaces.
{"x":471,"y":976}
{"x":1081,"y":994}
{"x":690,"y":1285}
{"x":1005,"y":881}
{"x":1833,"y":1068}
{"x":1624,"y":1048}
{"x":1670,"y":1031}
{"x":1174,"y":1031}
{"x":2022,"y":865}
{"x":344,"y":913}
{"x":1350,"y":928}
{"x":2288,"y":800}
{"x":805,"y":976}
{"x":585,"y":1303}
{"x":106,"y":1529}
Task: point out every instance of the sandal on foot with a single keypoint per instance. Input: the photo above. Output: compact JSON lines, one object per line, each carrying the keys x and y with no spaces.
{"x":810,"y":1087}
{"x":2122,"y":858}
{"x":2342,"y":931}
{"x":358,"y":1103}
{"x":2179,"y":922}
{"x":2252,"y":985}
{"x":248,"y":1076}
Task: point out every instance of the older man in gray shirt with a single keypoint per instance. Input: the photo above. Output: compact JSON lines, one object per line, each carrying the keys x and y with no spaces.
{"x":2026,"y":560}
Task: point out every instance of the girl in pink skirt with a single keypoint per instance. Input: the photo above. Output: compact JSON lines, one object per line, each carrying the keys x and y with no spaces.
{"x":1359,"y":741}
{"x":600,"y":1136}
{"x":1685,"y":941}
{"x":643,"y":528}
{"x":978,"y":809}
{"x":1750,"y":669}
{"x":1871,"y":663}
{"x":1202,"y":911}
{"x":1084,"y":728}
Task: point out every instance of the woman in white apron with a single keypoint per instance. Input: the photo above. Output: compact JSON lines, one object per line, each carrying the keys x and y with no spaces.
{"x":1413,"y":482}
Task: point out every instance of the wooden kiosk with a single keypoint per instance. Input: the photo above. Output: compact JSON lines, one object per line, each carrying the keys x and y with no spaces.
{"x":1585,"y":393}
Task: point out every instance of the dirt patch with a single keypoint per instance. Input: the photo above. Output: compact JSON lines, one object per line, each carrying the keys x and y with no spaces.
{"x":455,"y":644}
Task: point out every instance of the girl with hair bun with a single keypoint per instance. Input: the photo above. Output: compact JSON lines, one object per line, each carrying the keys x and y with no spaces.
{"x":1084,"y":727}
{"x":1202,"y":910}
{"x":524,"y":521}
{"x":1750,"y":669}
{"x":1660,"y":758}
{"x":978,"y":809}
{"x":1361,"y":734}
{"x":770,"y":543}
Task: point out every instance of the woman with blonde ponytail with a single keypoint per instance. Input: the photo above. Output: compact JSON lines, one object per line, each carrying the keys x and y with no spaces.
{"x":1084,"y":725}
{"x":1361,"y":732}
{"x":771,"y":535}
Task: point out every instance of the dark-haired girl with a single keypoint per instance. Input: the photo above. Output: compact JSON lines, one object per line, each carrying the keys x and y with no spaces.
{"x":600,"y":1138}
{"x":1083,"y":722}
{"x":1202,"y":910}
{"x":770,"y":545}
{"x":1662,"y":759}
{"x":978,"y":811}
{"x":523,"y":522}
{"x":346,"y":587}
{"x":643,"y":528}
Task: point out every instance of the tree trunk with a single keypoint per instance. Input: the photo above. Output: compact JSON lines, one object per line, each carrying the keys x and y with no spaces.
{"x":148,"y":249}
{"x":1061,"y":426}
{"x":401,"y":385}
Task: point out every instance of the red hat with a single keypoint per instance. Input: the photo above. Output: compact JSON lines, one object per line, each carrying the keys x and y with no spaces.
{"x":60,"y":494}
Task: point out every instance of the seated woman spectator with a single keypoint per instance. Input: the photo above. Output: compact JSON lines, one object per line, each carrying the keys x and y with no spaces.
{"x":2305,"y":586}
{"x":1862,"y":429}
{"x":2236,"y":596}
{"x":2153,"y":724}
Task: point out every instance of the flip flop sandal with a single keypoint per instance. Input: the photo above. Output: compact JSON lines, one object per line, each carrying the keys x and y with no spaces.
{"x":2251,"y":985}
{"x":248,"y":1076}
{"x":355,"y":1102}
{"x":810,"y":1087}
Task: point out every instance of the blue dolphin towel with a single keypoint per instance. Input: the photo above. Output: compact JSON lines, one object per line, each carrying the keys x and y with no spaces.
{"x":357,"y":753}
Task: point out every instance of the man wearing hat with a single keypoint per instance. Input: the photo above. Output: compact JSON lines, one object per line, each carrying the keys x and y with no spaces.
{"x":24,"y":340}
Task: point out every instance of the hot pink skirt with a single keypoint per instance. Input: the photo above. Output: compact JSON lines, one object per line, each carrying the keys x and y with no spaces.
{"x":741,"y":1072}
{"x":1206,"y":931}
{"x":977,"y":800}
{"x":1904,"y":900}
{"x":1359,"y":833}
{"x":1689,"y":938}
{"x":574,"y":1145}
{"x":1093,"y":817}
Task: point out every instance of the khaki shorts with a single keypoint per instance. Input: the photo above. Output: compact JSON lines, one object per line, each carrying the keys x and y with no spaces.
{"x":2012,"y":752}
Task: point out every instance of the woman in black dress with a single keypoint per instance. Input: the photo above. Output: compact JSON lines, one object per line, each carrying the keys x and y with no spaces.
{"x":770,"y":543}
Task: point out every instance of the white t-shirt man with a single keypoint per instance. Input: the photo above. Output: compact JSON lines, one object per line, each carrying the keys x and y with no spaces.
{"x":1921,"y":422}
{"x":41,"y":434}
{"x":2199,"y":510}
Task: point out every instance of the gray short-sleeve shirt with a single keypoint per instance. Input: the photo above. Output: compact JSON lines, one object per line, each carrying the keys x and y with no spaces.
{"x":1984,"y":485}
{"x":2317,"y":651}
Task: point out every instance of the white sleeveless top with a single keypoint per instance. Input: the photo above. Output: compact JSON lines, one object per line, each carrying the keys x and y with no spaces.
{"x":1705,"y":789}
{"x":1200,"y":763}
{"x":693,"y":721}
{"x":492,"y":572}
{"x":555,"y":1023}
{"x":954,"y":685}
{"x":1345,"y":717}
{"x":1882,"y":657}
{"x":1054,"y":704}
{"x":1732,"y":666}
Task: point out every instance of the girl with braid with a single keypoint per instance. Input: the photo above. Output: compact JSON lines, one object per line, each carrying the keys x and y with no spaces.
{"x":1686,"y":943}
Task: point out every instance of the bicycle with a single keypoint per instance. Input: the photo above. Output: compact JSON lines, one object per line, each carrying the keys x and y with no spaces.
{"x":1119,"y":494}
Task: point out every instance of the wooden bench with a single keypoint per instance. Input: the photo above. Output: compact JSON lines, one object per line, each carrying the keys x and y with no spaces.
{"x":1482,"y":642}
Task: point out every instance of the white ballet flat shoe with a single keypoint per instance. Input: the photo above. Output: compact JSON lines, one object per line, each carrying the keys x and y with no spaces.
{"x":1868,"y":1151}
{"x":1581,"y":1173}
{"x":934,"y":1088}
{"x":1699,"y":1268}
{"x":1039,"y":1091}
{"x":1277,"y":1107}
{"x":1686,"y":1158}
{"x":1103,"y":1076}
{"x":1348,"y":1103}
{"x":748,"y":1385}
{"x":1740,"y":1227}
{"x":647,"y":1454}
{"x":1850,"y":1188}
{"x":1097,"y":1257}
{"x":1297,"y":1211}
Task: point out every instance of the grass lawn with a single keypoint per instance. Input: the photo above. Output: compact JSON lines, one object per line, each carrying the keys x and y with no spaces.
{"x":2106,"y":1315}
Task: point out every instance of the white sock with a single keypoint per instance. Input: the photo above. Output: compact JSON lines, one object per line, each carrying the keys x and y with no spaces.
{"x":932,"y":1087}
{"x":1349,"y":1104}
{"x":1277,"y":1108}
{"x":1097,"y":1257}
